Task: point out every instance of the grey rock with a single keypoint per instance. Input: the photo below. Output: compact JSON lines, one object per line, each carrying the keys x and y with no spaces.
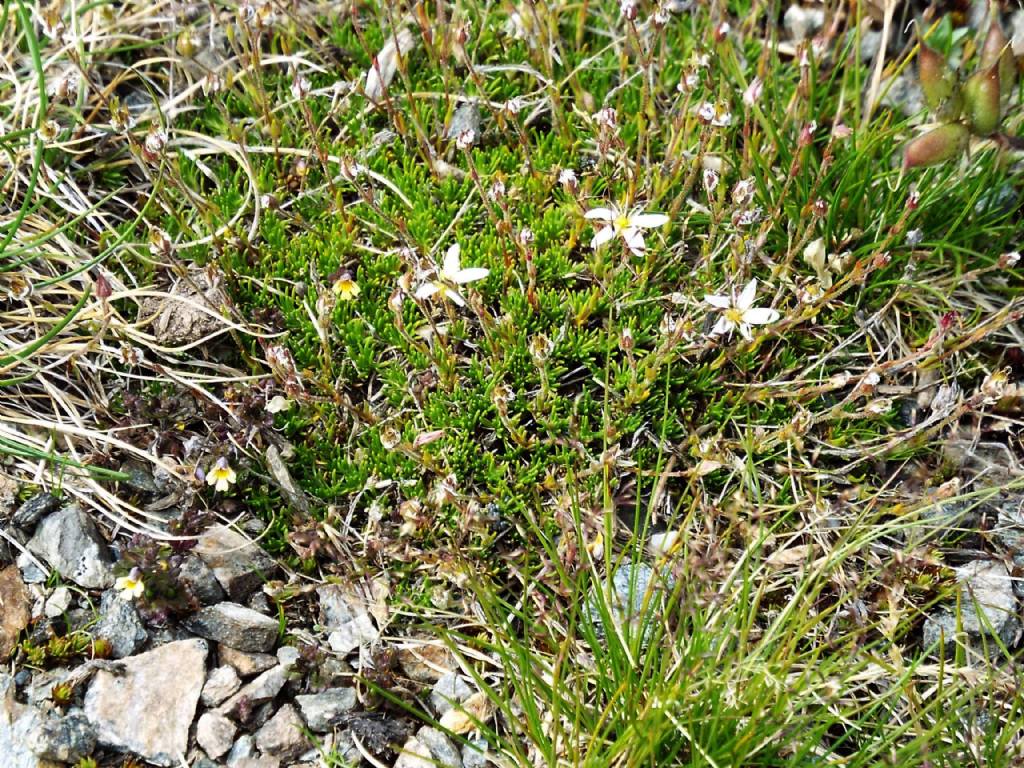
{"x":242,"y":749}
{"x":870,"y":44}
{"x":988,"y":610}
{"x":188,"y":312}
{"x":260,"y":603}
{"x":904,"y":94}
{"x":236,"y":626}
{"x":246,"y":664}
{"x":148,"y":705}
{"x":347,"y":619}
{"x":40,"y":689}
{"x":1009,"y":530}
{"x":450,"y":690}
{"x":282,"y":735}
{"x":221,"y":683}
{"x":119,"y":625}
{"x":414,"y":754}
{"x":802,"y":23}
{"x":30,"y":572}
{"x":288,"y":655}
{"x":34,"y":509}
{"x":257,"y":692}
{"x":64,"y":739}
{"x":263,"y":761}
{"x":17,"y":724}
{"x":238,"y":564}
{"x":71,"y":544}
{"x":198,"y":578}
{"x":635,"y":598}
{"x":441,"y":748}
{"x":474,"y":754}
{"x":465,"y":118}
{"x":322,"y":711}
{"x":215,"y":734}
{"x":57,"y":603}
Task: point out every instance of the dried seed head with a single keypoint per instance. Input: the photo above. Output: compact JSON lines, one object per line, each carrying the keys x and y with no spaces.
{"x":541,"y":348}
{"x":153,"y":145}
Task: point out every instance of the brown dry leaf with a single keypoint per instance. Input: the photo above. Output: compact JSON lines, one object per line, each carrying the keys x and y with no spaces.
{"x":382,"y":71}
{"x":426,"y":663}
{"x":468,"y":716}
{"x":792,"y":556}
{"x":15,"y":609}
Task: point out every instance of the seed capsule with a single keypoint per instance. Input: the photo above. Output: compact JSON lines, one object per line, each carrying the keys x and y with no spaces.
{"x":937,"y":146}
{"x":981,"y":101}
{"x":939,"y":84}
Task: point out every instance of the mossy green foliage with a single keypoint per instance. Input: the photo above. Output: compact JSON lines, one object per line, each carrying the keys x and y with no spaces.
{"x":369,"y":372}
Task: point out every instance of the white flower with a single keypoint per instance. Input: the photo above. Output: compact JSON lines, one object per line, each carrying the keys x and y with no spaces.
{"x":450,"y":275}
{"x":567,"y":178}
{"x":131,"y":586}
{"x":753,"y":92}
{"x":606,"y":118}
{"x":717,"y":116}
{"x":738,"y":312}
{"x":300,"y":87}
{"x":221,"y":475}
{"x":278,"y":403}
{"x":466,"y":139}
{"x":624,"y":225}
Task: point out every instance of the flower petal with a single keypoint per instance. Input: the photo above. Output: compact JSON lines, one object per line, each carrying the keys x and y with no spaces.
{"x":760,"y":316}
{"x":634,"y":239}
{"x":723,"y":326}
{"x":452,"y":263}
{"x":603,"y":236}
{"x":470,"y":274}
{"x":426,"y":290}
{"x":745,"y":332}
{"x":648,"y":220}
{"x":746,"y":298}
{"x":455,"y":296}
{"x":722,"y":302}
{"x":602,"y":214}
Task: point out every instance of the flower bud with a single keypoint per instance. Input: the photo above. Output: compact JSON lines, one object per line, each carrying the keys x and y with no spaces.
{"x":938,"y":84}
{"x":996,"y":50}
{"x":981,"y":101}
{"x":937,"y":146}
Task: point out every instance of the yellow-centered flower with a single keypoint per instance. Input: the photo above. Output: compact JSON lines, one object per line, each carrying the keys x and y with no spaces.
{"x":345,"y":287}
{"x":131,"y":586}
{"x":221,"y":475}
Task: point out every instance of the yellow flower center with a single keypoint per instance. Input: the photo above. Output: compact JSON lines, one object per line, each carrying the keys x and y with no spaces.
{"x":347,"y":289}
{"x":734,"y":315}
{"x":621,"y":223}
{"x":222,"y":473}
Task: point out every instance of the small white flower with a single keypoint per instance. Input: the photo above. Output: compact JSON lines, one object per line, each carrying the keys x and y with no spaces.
{"x":514,"y":105}
{"x":131,"y":586}
{"x":567,"y":178}
{"x":738,"y":312}
{"x":300,"y":87}
{"x":753,"y":92}
{"x":451,"y":274}
{"x":743,"y":192}
{"x":1010,"y":259}
{"x":465,"y":139}
{"x":711,"y":179}
{"x":625,"y":225}
{"x":221,"y":475}
{"x":606,"y":118}
{"x":497,"y":190}
{"x":525,"y":236}
{"x":278,"y":403}
{"x":715,"y":115}
{"x":915,"y":237}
